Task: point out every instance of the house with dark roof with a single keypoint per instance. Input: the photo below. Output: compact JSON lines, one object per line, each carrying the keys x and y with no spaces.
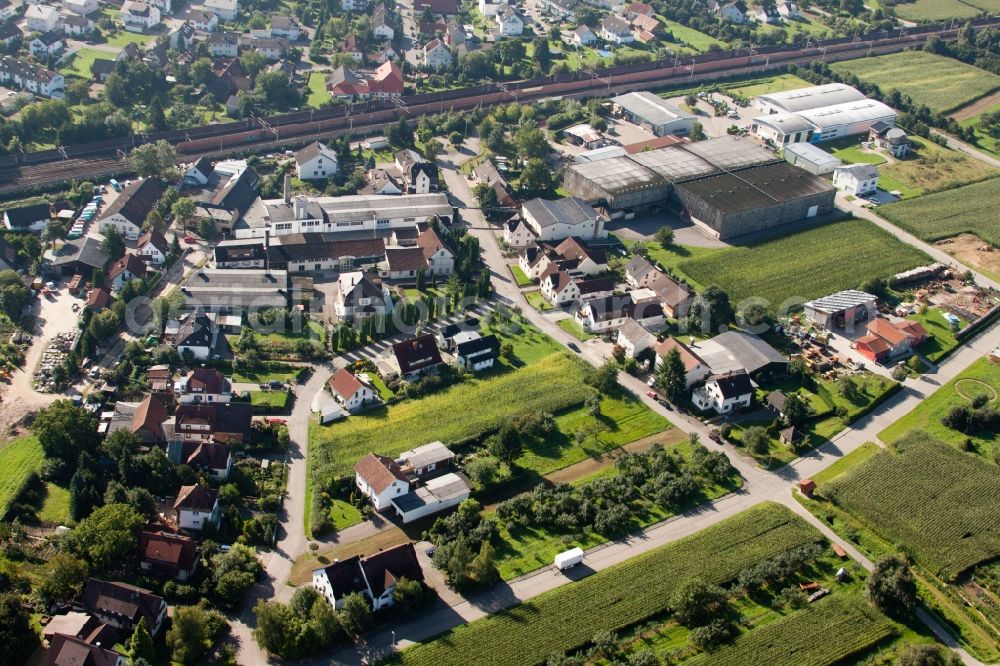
{"x":419,"y":175}
{"x":153,"y":247}
{"x":168,"y":554}
{"x":559,"y":288}
{"x":240,"y":254}
{"x":196,"y":507}
{"x":130,"y":267}
{"x":380,"y":479}
{"x":562,"y":218}
{"x":734,"y":351}
{"x":198,"y":335}
{"x":78,"y":257}
{"x":581,"y":258}
{"x":220,"y":422}
{"x":444,"y":7}
{"x":478,"y":354}
{"x":65,"y":650}
{"x":214,"y":458}
{"x":610,"y":312}
{"x":417,"y":356}
{"x":402,"y":263}
{"x":724,"y":393}
{"x":102,"y":68}
{"x":128,"y":212}
{"x":203,"y":385}
{"x":354,"y":393}
{"x":695,"y":368}
{"x":122,"y":605}
{"x":316,"y":161}
{"x":375,"y":576}
{"x":359,"y":297}
{"x":32,"y":218}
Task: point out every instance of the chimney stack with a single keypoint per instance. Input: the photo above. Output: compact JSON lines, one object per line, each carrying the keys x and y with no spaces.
{"x":288,"y":188}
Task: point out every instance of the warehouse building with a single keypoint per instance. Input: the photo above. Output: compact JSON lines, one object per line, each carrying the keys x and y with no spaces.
{"x":735,"y":203}
{"x":618,"y":183}
{"x":236,"y":290}
{"x":783,"y":129}
{"x":803,"y":99}
{"x":833,"y":122}
{"x":811,"y":158}
{"x":654,"y":114}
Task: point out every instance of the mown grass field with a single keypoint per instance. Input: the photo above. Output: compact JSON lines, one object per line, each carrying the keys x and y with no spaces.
{"x":933,"y":500}
{"x":970,"y":209}
{"x":937,"y":10}
{"x":551,"y":385}
{"x":823,"y":633}
{"x":571,"y":326}
{"x":698,"y":41}
{"x":81,"y":61}
{"x":318,"y":94}
{"x":637,"y":589}
{"x":943,"y":84}
{"x":804,"y":265}
{"x":779,"y":83}
{"x":18,"y":459}
{"x":982,"y":377}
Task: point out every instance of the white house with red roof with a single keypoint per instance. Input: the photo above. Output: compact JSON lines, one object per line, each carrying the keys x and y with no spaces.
{"x":351,"y":391}
{"x":380,"y":479}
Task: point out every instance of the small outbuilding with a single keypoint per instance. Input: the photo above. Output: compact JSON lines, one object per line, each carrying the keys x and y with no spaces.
{"x":811,"y":158}
{"x":807,"y":487}
{"x":842,"y":308}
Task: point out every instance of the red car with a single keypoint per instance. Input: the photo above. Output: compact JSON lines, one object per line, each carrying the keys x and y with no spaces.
{"x":652,"y":394}
{"x":278,"y":421}
{"x":190,"y":240}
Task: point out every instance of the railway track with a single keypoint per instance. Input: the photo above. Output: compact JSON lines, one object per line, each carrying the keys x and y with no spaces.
{"x":21,"y":173}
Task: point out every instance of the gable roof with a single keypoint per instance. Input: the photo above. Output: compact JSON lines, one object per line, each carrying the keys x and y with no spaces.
{"x":213,"y":455}
{"x":312,"y":151}
{"x":98,"y":298}
{"x":876,"y":344}
{"x":25,"y":216}
{"x":86,"y":250}
{"x":379,"y":472}
{"x":690,"y":359}
{"x":633,"y":331}
{"x":130,"y":263}
{"x":569,"y":211}
{"x":733,"y":384}
{"x":206,"y":380}
{"x":417,"y":353}
{"x":382,"y":570}
{"x":195,"y":331}
{"x":345,"y":383}
{"x":889,"y":332}
{"x":157,"y":239}
{"x":638,"y":267}
{"x":67,"y":650}
{"x":481,"y":344}
{"x":196,"y":498}
{"x":345,"y":577}
{"x":135,"y":201}
{"x":733,"y":349}
{"x":159,"y":546}
{"x":429,"y":242}
{"x":149,"y":417}
{"x":574,"y":248}
{"x":405,"y":258}
{"x":122,"y":600}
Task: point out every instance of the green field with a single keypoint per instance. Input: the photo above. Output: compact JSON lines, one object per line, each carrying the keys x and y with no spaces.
{"x":268,"y":372}
{"x":807,"y":264}
{"x":943,"y":84}
{"x":823,"y":633}
{"x":980,"y":377}
{"x":933,"y":500}
{"x":537,"y":300}
{"x":55,"y":506}
{"x":80,"y":62}
{"x":937,"y":10}
{"x":698,"y":41}
{"x":942,"y":340}
{"x":779,"y":83}
{"x":970,"y":209}
{"x":551,"y":385}
{"x":931,"y":168}
{"x":269,"y":402}
{"x":18,"y":459}
{"x":343,"y":514}
{"x":318,"y":94}
{"x":568,"y":617}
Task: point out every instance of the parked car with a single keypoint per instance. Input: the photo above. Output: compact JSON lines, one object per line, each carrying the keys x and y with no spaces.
{"x":274,"y":385}
{"x":573,"y":346}
{"x":714,"y":436}
{"x":652,"y":394}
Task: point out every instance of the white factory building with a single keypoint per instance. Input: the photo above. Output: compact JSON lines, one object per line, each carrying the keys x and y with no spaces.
{"x":803,"y":99}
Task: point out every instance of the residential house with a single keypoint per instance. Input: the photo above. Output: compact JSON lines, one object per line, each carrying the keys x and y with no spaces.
{"x":556,"y":220}
{"x":610,"y":312}
{"x":353,"y":5}
{"x":66,"y":650}
{"x":580,"y":258}
{"x":534,"y":262}
{"x":887,"y":340}
{"x":226,"y":10}
{"x":489,"y":8}
{"x":375,"y":576}
{"x":634,"y":9}
{"x":402,"y":264}
{"x":382,"y":23}
{"x":197,"y":507}
{"x":891,"y":139}
{"x":219,"y":422}
{"x":562,"y":9}
{"x":122,"y":605}
{"x":41,"y":18}
{"x":639,"y":272}
{"x":353,"y":47}
{"x":516,"y":234}
{"x":98,"y":299}
{"x":46,"y":45}
{"x":153,"y":247}
{"x":509,"y":22}
{"x":417,"y":356}
{"x":381,"y":182}
{"x":857,"y":180}
{"x":204,"y":21}
{"x":634,"y":338}
{"x":316,"y":161}
{"x":763,"y":14}
{"x":144,"y":419}
{"x":31,"y":77}
{"x":10,"y":8}
{"x":386,"y":54}
{"x":724,"y":393}
{"x":80,"y":7}
{"x":386,"y":81}
{"x":78,"y":257}
{"x":695,"y":368}
{"x":8,"y":33}
{"x":675,"y":297}
{"x":197,"y":336}
{"x":203,"y":385}
{"x":139,"y":16}
{"x":595,"y":288}
{"x":583,"y":36}
{"x":419,"y":175}
{"x":76,"y":25}
{"x":33,"y":218}
{"x":240,"y":254}
{"x":213,"y":458}
{"x":442,"y":7}
{"x":426,"y":459}
{"x":272,"y":48}
{"x":616,"y":31}
{"x":285,"y":26}
{"x":224,"y":44}
{"x":360,"y":297}
{"x":788,"y":10}
{"x":437,"y":55}
{"x":101,"y":69}
{"x":440,"y":260}
{"x":478,"y":354}
{"x":126,"y":269}
{"x":734,"y":12}
{"x":644,"y":28}
{"x":380,"y":479}
{"x":559,"y":288}
{"x":128,"y":212}
{"x":352,"y":392}
{"x":168,"y":554}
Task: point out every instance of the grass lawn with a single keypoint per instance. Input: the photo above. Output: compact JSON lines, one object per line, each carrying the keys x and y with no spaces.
{"x":982,"y":377}
{"x":698,"y":41}
{"x":537,"y":301}
{"x":344,"y":514}
{"x":773,"y":84}
{"x":855,"y":457}
{"x":318,"y":94}
{"x":384,"y":391}
{"x":530,"y":344}
{"x":570,"y":326}
{"x":936,"y":10}
{"x":806,"y":264}
{"x":55,"y":507}
{"x":970,"y":209}
{"x":269,"y":402}
{"x":943,"y":84}
{"x":623,"y":419}
{"x":123,"y":39}
{"x":943,"y":339}
{"x":80,"y":62}
{"x":930,"y":168}
{"x":854,"y":155}
{"x":313,"y":330}
{"x":672,"y":257}
{"x":268,"y":372}
{"x":413,"y":294}
{"x":18,"y":459}
{"x":520,"y":278}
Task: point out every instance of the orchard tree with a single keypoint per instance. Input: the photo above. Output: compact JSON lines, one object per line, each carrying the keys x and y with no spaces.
{"x":890,"y":586}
